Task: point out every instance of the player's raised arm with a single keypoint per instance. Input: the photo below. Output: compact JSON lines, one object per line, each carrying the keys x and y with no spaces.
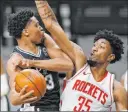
{"x":52,"y":25}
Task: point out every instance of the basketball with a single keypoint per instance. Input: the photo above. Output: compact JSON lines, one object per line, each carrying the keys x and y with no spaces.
{"x":35,"y":81}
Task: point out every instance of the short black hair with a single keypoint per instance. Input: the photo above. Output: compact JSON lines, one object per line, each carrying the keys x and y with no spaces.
{"x":17,"y":22}
{"x":115,"y":42}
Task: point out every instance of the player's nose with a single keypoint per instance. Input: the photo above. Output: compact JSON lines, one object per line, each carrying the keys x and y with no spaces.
{"x":94,"y":49}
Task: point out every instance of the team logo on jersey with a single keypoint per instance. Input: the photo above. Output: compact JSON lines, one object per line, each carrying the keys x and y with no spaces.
{"x":45,"y":51}
{"x":44,"y":72}
{"x":91,"y":89}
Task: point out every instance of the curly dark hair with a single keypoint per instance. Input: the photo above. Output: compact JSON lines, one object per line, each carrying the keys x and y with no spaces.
{"x":115,"y":42}
{"x":17,"y":22}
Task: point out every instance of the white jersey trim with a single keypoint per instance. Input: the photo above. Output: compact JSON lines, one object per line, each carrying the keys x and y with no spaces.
{"x":30,"y":53}
{"x":15,"y":53}
{"x":111,"y":87}
{"x":125,"y":81}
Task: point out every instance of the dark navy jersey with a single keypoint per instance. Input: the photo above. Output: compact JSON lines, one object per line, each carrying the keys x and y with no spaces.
{"x":51,"y":99}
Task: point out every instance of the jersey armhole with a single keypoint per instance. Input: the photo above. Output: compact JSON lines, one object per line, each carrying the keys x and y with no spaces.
{"x":112,"y":77}
{"x":64,"y":83}
{"x":15,"y":53}
{"x":78,"y":72}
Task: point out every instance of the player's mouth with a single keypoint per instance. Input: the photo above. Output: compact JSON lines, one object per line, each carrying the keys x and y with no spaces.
{"x":92,"y":55}
{"x":42,"y":34}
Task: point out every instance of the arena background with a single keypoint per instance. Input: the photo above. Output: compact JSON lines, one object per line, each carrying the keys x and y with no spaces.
{"x":81,"y":19}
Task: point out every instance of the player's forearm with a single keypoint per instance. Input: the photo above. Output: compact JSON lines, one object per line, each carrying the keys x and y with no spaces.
{"x":58,"y":64}
{"x":45,"y":12}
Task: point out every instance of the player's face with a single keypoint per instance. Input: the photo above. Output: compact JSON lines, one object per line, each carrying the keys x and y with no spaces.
{"x":101,"y":52}
{"x":35,"y":31}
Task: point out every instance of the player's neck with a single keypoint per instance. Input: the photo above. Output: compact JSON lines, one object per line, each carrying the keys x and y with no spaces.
{"x":27,"y":46}
{"x":98,"y":72}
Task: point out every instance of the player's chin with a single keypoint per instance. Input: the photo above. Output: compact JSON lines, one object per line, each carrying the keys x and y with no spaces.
{"x":37,"y":43}
{"x":40,"y":41}
{"x":91,"y":58}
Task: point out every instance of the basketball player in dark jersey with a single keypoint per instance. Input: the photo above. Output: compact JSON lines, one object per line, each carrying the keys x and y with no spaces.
{"x":37,"y":50}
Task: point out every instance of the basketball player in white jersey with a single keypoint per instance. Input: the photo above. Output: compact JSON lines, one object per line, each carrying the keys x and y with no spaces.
{"x":92,"y":87}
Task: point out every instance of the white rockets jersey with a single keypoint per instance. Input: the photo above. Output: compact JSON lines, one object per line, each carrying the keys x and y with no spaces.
{"x":126,"y":81}
{"x":84,"y":93}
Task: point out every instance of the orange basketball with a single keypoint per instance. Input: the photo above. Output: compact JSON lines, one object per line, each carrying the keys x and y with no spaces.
{"x":34,"y":79}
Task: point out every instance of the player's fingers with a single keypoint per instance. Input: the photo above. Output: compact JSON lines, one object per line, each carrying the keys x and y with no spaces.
{"x":23,"y":61}
{"x":23,"y":90}
{"x":29,"y":94}
{"x":30,"y":100}
{"x":27,"y":63}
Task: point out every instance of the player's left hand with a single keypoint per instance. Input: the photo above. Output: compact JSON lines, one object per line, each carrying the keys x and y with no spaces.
{"x":25,"y":63}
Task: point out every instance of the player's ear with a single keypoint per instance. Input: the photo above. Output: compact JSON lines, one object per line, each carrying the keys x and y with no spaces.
{"x":111,"y":57}
{"x":25,"y":32}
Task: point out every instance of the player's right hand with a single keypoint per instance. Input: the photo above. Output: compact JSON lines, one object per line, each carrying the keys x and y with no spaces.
{"x":23,"y":96}
{"x":20,"y":61}
{"x":16,"y":60}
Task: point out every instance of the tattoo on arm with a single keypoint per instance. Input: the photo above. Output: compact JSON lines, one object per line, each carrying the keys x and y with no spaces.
{"x":44,"y":10}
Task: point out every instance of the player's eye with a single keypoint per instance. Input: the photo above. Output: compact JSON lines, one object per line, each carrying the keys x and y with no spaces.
{"x":36,"y":25}
{"x":102,"y":47}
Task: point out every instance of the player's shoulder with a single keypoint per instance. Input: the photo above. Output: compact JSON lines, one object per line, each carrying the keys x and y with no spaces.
{"x":118,"y":88}
{"x":123,"y":78}
{"x":14,"y":56}
{"x":117,"y":84}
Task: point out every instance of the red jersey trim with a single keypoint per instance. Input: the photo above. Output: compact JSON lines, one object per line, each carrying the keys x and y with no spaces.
{"x":105,"y":75}
{"x":110,"y":87}
{"x":64,"y":84}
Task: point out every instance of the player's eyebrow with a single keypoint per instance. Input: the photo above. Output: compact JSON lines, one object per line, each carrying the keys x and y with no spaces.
{"x":100,"y":43}
{"x":103,"y":42}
